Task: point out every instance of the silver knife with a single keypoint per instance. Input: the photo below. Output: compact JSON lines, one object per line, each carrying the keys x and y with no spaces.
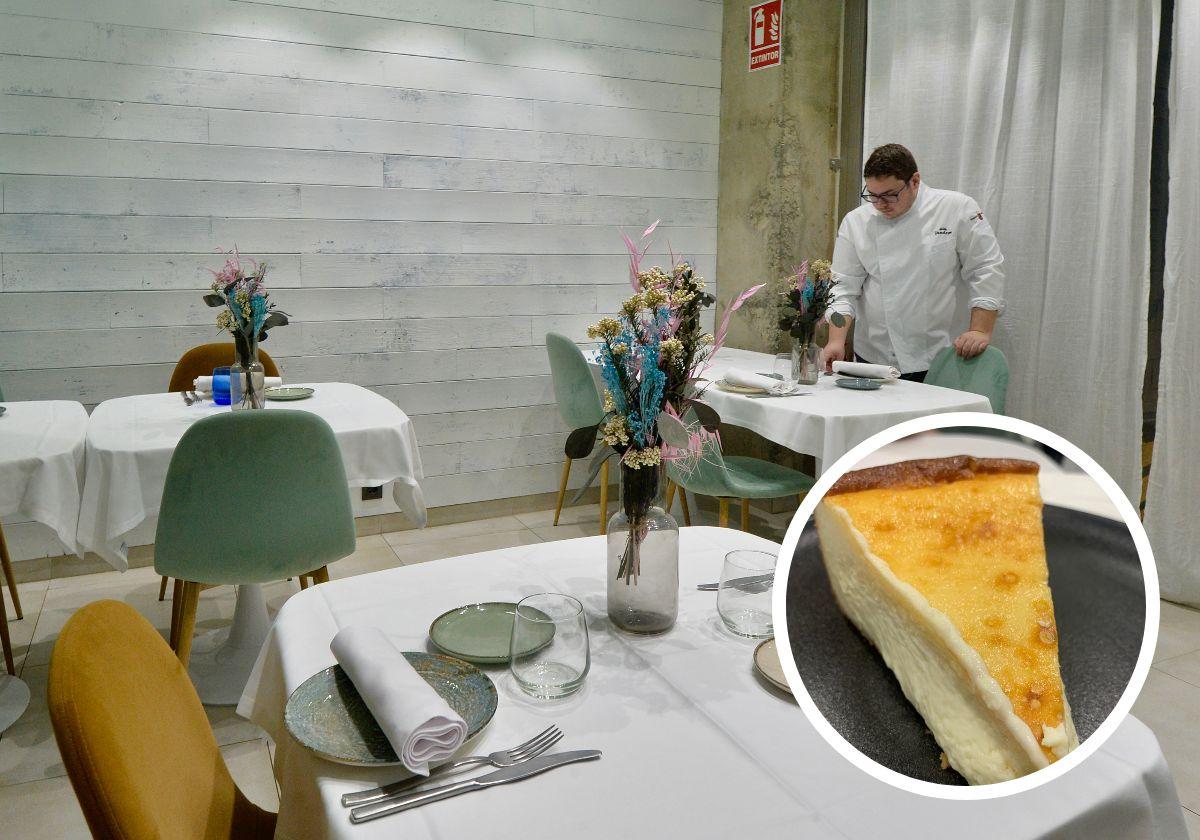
{"x":403,"y":802}
{"x":742,"y":583}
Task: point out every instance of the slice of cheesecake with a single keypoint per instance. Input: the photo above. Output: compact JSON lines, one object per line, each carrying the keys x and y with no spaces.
{"x":941,"y":563}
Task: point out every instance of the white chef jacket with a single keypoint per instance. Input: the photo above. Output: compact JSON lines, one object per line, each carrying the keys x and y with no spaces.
{"x":910,"y":283}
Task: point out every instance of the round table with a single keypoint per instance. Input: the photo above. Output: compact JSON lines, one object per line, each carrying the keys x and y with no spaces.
{"x":41,"y":458}
{"x":130,"y":441}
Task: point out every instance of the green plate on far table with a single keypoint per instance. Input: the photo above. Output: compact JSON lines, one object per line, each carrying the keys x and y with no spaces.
{"x":856,"y":384}
{"x":285,"y":392}
{"x":482,"y":633}
{"x":327,"y":714}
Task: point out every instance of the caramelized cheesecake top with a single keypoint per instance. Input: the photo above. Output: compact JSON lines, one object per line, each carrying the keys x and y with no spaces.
{"x":967,"y":534}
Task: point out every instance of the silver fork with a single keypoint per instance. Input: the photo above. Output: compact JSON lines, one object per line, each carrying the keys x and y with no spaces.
{"x":532,"y":748}
{"x":186,"y":398}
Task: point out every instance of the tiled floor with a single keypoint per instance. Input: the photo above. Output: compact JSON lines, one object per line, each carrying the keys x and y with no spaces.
{"x":36,"y":800}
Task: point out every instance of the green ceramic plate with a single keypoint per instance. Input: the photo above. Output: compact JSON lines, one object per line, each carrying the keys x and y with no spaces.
{"x":326,"y":714}
{"x":286,"y":392}
{"x":859,"y":384}
{"x":482,"y":633}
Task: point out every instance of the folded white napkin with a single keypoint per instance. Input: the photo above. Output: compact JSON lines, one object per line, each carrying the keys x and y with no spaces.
{"x":204,"y":383}
{"x":419,"y":724}
{"x":746,"y":379}
{"x":866,"y":371}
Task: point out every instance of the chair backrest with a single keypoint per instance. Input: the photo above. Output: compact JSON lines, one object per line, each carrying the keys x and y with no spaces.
{"x":985,"y":374}
{"x":200,"y":361}
{"x":574,"y":388}
{"x":134,"y":739}
{"x":705,"y":476}
{"x":254,"y":496}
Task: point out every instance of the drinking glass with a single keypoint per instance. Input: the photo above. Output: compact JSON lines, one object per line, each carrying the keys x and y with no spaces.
{"x":550,"y":656}
{"x":220,"y":385}
{"x":744,"y":594}
{"x":783,"y":369}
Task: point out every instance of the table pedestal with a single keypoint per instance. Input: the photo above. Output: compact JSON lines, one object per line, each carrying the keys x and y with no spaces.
{"x":14,"y":700}
{"x":221,"y":661}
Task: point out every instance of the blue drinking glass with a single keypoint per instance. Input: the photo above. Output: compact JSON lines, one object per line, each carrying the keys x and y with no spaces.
{"x":221,"y":385}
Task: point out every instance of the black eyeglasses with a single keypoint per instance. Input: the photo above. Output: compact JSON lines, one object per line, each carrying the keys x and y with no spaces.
{"x":888,"y":198}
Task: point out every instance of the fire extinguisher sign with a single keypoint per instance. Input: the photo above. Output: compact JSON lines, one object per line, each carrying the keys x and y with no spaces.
{"x":766,"y":34}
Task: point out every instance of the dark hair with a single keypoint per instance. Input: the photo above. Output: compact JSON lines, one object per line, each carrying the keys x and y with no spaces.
{"x":890,"y":159}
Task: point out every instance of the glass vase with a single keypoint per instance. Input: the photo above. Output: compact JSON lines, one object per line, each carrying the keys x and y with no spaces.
{"x":246,"y":376}
{"x":643,"y":555}
{"x":806,"y":362}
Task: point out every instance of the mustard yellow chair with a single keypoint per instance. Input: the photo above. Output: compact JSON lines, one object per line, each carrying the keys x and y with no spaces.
{"x":201,"y":361}
{"x":134,"y":738}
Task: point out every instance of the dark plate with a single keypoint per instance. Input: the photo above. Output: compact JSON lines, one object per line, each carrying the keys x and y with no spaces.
{"x":1099,"y":605}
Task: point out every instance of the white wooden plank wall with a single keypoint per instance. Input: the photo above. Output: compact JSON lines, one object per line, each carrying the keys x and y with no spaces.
{"x":436,"y":185}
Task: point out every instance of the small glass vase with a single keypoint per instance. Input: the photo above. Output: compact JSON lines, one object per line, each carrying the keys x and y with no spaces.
{"x":806,"y":362}
{"x":246,"y":376}
{"x":643,"y":555}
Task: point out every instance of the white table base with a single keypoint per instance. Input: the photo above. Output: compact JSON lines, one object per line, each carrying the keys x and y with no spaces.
{"x":14,"y":700}
{"x":222,"y":660}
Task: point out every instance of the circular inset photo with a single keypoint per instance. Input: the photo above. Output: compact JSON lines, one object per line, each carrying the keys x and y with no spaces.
{"x":970,"y":610}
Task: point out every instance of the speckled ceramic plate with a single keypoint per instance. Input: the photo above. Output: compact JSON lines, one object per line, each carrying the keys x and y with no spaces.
{"x":766,"y":662}
{"x":859,"y":383}
{"x":738,"y":389}
{"x":285,"y":392}
{"x":482,"y":633}
{"x":326,"y":714}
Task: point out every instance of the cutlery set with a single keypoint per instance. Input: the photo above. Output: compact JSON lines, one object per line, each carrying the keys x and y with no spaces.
{"x":752,"y":583}
{"x":520,"y":762}
{"x":190,"y":397}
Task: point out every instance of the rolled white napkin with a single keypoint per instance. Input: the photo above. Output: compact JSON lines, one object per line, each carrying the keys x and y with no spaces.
{"x":866,"y":371}
{"x":419,"y":724}
{"x":204,"y":383}
{"x":746,"y":379}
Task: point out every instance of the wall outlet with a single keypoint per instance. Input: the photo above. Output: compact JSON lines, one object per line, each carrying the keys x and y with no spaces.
{"x":372,"y":493}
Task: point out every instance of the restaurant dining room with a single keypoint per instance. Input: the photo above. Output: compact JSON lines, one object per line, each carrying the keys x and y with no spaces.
{"x":766,"y":418}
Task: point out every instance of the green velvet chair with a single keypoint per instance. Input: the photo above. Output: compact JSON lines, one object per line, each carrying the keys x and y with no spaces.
{"x":250,"y":497}
{"x":579,"y":405}
{"x":985,"y":374}
{"x":733,"y":477}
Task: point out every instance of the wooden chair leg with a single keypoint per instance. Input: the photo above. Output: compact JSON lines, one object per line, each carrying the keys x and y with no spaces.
{"x":670,"y":496}
{"x":745,"y":514}
{"x":723,"y":515}
{"x":562,"y":489}
{"x":187,"y":621}
{"x":687,"y":514}
{"x":176,"y":603}
{"x":162,"y":587}
{"x":604,"y":498}
{"x":6,"y":561}
{"x":5,"y":641}
{"x":303,"y":582}
{"x":320,"y":575}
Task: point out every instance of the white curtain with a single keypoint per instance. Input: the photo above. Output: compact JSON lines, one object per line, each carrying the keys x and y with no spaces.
{"x":1172,"y":513}
{"x":1041,"y":111}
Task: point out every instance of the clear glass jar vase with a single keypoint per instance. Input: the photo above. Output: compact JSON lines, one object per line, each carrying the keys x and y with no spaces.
{"x":246,"y":376}
{"x":806,"y":362}
{"x":643,"y":555}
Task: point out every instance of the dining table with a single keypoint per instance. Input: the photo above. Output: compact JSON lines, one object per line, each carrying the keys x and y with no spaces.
{"x":130,"y":441}
{"x":695,"y":743}
{"x":41,"y":465}
{"x":824,"y":420}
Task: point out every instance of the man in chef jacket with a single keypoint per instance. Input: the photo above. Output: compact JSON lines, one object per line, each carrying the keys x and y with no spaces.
{"x":917,"y":268}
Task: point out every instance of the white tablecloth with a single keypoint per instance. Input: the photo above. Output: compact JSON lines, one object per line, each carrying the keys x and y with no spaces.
{"x":130,"y":441}
{"x":830,"y":421}
{"x":41,"y":463}
{"x":695,"y":745}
